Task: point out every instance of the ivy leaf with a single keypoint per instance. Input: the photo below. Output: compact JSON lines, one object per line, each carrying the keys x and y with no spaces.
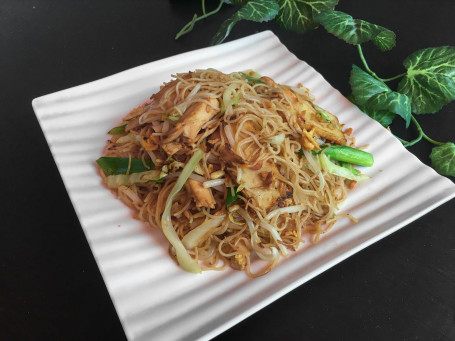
{"x":364,"y":86}
{"x":384,"y":117}
{"x":356,"y":31}
{"x":254,"y":10}
{"x":430,"y":79}
{"x":443,"y":159}
{"x":385,"y":40}
{"x":298,"y":15}
{"x":236,"y":2}
{"x":376,"y":97}
{"x":393,"y":102}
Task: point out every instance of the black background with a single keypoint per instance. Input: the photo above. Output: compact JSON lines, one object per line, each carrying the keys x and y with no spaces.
{"x":401,"y":288}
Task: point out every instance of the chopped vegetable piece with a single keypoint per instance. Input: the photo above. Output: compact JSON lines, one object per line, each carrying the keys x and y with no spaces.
{"x":230,"y":197}
{"x":346,"y":154}
{"x":340,"y":171}
{"x":118,"y":130}
{"x":183,"y":257}
{"x":119,"y":165}
{"x":201,"y":232}
{"x":350,"y":167}
{"x":350,"y":155}
{"x":323,"y":113}
{"x":254,"y":80}
{"x":116,"y":180}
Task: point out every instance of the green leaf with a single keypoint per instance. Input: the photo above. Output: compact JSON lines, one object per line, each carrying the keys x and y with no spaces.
{"x":393,"y":102}
{"x":119,"y":165}
{"x":364,"y":86}
{"x":118,"y":130}
{"x":254,"y":80}
{"x":385,"y":40}
{"x":384,"y":117}
{"x":231,"y":198}
{"x":236,"y":2}
{"x":356,"y":31}
{"x":323,"y":114}
{"x":377,"y":98}
{"x":443,"y":159}
{"x":298,"y":15}
{"x":430,"y":79}
{"x":254,"y":10}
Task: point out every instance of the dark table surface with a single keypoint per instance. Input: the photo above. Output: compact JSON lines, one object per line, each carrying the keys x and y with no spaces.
{"x":401,"y":288}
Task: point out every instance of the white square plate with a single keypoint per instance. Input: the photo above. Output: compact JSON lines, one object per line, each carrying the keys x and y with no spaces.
{"x":154,"y":298}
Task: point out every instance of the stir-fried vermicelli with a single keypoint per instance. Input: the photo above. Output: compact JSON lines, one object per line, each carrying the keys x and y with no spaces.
{"x":232,"y":167}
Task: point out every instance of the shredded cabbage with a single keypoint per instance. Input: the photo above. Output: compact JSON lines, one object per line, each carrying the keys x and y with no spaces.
{"x":268,"y":254}
{"x":340,"y":171}
{"x":201,"y":232}
{"x":183,"y":257}
{"x":275,"y":235}
{"x":127,"y":138}
{"x":277,"y":139}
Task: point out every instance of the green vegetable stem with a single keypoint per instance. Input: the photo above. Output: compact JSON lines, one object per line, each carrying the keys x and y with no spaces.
{"x":231,"y":197}
{"x":120,"y":165}
{"x":427,"y":85}
{"x":118,"y":130}
{"x":346,"y":154}
{"x":350,"y":155}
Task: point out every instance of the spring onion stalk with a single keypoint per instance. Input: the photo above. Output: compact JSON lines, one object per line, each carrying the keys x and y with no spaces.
{"x":114,"y":181}
{"x":340,"y":171}
{"x":350,"y":167}
{"x":120,"y":165}
{"x":350,"y":155}
{"x":183,"y":257}
{"x":325,"y":115}
{"x":201,"y":232}
{"x":231,"y":195}
{"x":118,"y":130}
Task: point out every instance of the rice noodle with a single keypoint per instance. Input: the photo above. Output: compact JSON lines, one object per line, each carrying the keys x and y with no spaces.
{"x":258,"y":187}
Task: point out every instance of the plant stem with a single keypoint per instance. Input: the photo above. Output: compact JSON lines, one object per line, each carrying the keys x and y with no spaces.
{"x":189,"y":26}
{"x":431,"y":140}
{"x":421,"y":134}
{"x":393,"y":78}
{"x":371,"y":72}
{"x":203,"y":7}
